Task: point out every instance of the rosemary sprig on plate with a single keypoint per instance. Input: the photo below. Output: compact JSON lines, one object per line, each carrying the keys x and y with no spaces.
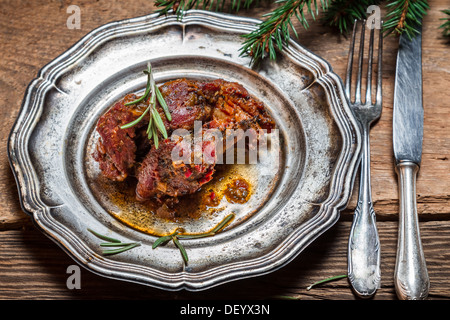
{"x":176,"y":236}
{"x":111,"y":242}
{"x":155,"y":122}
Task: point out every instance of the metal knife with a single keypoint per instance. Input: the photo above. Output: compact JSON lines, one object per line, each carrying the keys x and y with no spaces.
{"x":411,"y":275}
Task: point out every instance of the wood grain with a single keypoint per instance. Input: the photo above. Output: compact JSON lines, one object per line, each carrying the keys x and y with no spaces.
{"x":32,"y":33}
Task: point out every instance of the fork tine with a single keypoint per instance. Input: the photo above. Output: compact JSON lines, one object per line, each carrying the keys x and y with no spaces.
{"x":348,"y":79}
{"x":360,"y":64}
{"x":380,"y":63}
{"x":369,"y":69}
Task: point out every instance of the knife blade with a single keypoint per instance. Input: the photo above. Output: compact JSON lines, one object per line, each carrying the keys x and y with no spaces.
{"x":408,"y":107}
{"x":411,"y":275}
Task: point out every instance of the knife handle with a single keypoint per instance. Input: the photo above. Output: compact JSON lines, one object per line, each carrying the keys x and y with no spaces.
{"x":411,"y":275}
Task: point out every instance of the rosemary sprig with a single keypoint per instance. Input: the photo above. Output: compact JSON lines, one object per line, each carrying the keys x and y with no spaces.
{"x":164,"y":239}
{"x":155,"y":122}
{"x":176,"y":236}
{"x":122,"y":247}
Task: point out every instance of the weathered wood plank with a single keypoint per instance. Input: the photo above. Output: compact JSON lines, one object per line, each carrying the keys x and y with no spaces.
{"x":33,"y":267}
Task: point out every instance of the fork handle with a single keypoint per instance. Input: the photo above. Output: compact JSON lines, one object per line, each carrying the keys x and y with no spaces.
{"x":364,"y":245}
{"x":411,"y":275}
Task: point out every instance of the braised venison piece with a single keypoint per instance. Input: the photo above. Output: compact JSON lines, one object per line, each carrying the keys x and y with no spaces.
{"x":116,"y":147}
{"x":160,"y":175}
{"x":218,"y":104}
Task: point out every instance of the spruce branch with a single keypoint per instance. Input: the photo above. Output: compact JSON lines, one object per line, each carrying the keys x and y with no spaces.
{"x":405,"y":16}
{"x":275,"y":30}
{"x":179,"y":6}
{"x":446,"y":25}
{"x":341,"y":14}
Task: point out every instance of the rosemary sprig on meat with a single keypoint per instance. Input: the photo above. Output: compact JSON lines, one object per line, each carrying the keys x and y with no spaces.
{"x":155,"y":122}
{"x":176,"y":236}
{"x":114,"y":243}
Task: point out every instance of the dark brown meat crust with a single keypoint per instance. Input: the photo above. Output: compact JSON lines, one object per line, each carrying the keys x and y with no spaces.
{"x":186,"y":104}
{"x":218,"y":104}
{"x":116,"y":148}
{"x":159,"y":175}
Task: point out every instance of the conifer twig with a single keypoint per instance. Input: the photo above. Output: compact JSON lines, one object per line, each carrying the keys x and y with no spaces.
{"x":342,"y":14}
{"x":446,"y":25}
{"x":275,"y":30}
{"x":404,"y":16}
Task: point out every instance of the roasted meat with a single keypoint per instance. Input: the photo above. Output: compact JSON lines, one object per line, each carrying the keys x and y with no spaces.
{"x":186,"y":104}
{"x":216,"y":104}
{"x":160,"y":175}
{"x":116,"y":148}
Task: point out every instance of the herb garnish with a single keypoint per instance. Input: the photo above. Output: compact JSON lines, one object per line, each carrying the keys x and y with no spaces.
{"x":114,"y":243}
{"x":155,"y":122}
{"x":326,"y":280}
{"x":176,"y":236}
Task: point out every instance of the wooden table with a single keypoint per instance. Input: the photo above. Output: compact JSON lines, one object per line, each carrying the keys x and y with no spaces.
{"x":32,"y":267}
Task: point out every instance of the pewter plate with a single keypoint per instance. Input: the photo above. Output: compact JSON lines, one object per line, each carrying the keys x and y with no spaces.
{"x":295,"y":199}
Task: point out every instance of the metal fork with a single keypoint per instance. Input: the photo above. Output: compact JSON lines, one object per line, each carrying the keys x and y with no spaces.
{"x":364,"y":245}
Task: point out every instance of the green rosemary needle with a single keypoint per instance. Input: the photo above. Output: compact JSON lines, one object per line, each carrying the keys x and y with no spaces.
{"x":195,"y":236}
{"x":182,"y":250}
{"x":103,"y":237}
{"x":216,"y":229}
{"x":147,"y":89}
{"x":135,"y":122}
{"x":122,"y":249}
{"x":327,"y":280}
{"x":155,"y":137}
{"x":224,"y":222}
{"x":163,"y":104}
{"x":159,"y":123}
{"x":114,"y":243}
